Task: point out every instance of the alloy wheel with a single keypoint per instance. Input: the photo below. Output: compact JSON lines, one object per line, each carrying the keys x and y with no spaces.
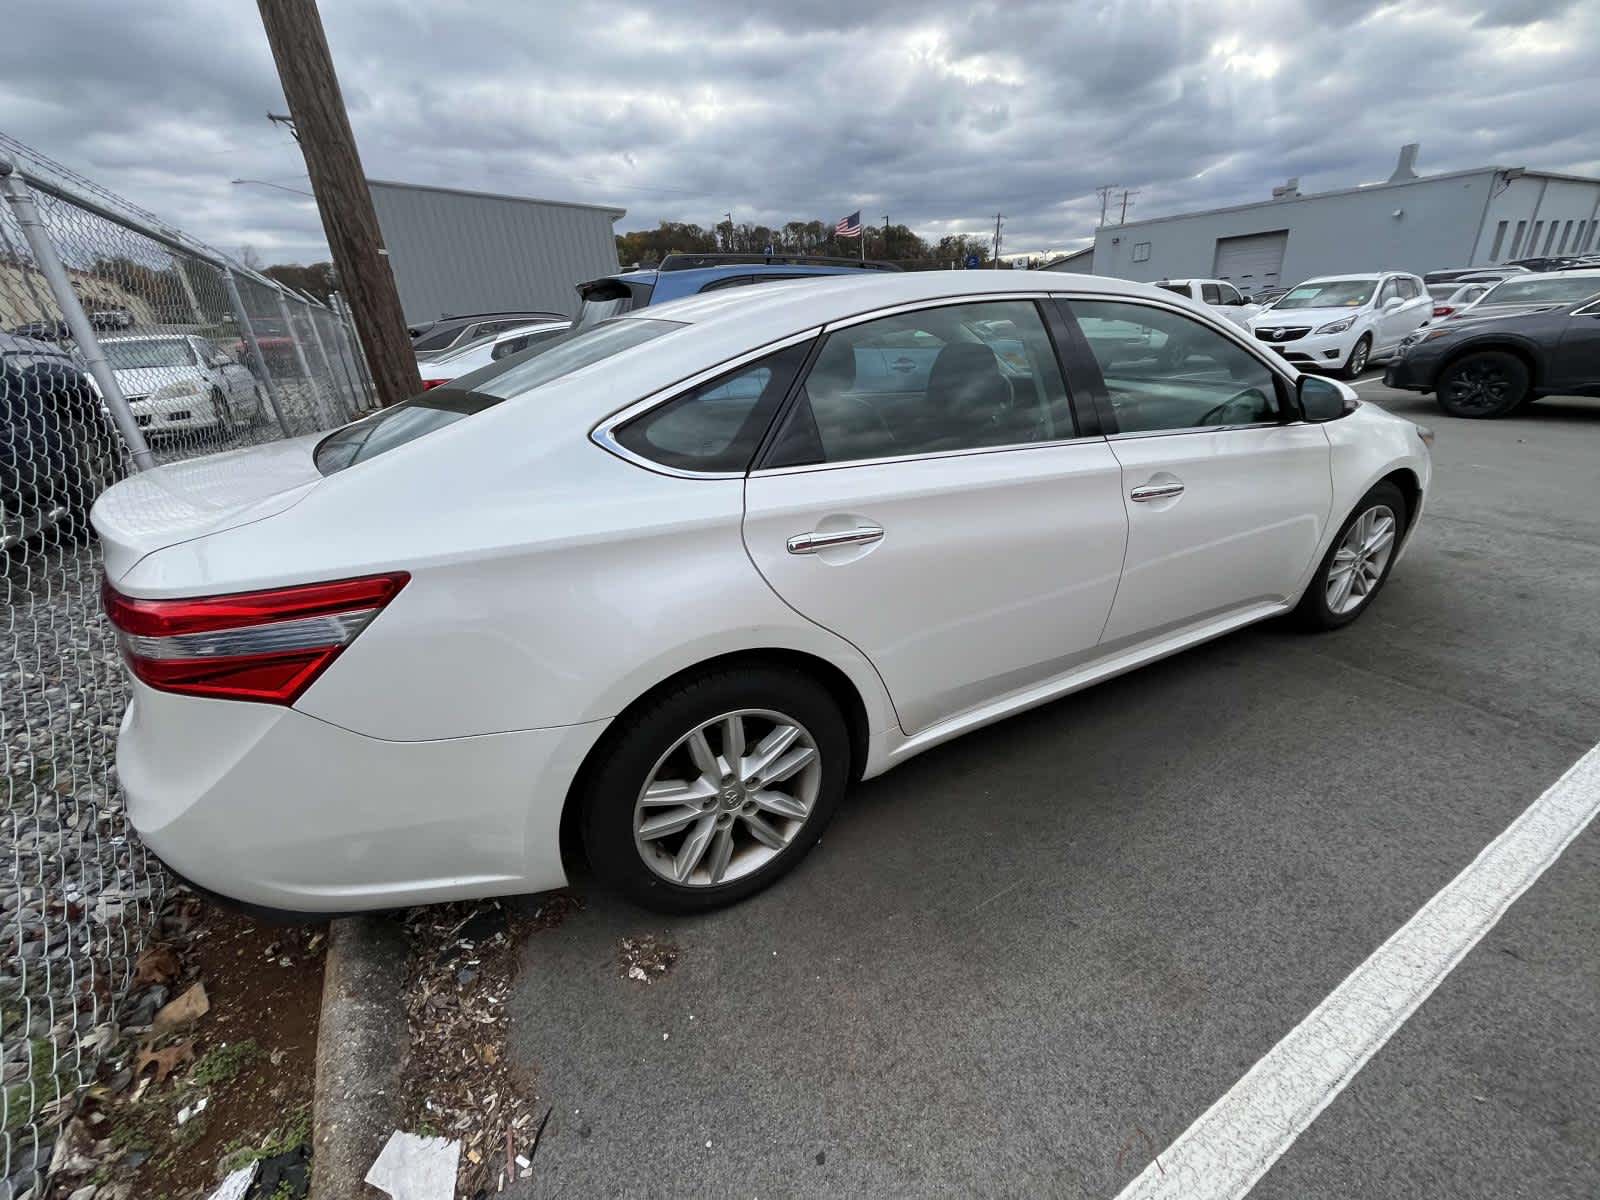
{"x":727,"y":798}
{"x":1358,"y":564}
{"x":1479,"y":387}
{"x":1358,"y":358}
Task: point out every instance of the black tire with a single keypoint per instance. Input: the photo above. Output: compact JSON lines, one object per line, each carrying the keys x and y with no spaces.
{"x":1314,"y":611}
{"x":1360,"y":355}
{"x":1484,"y":385}
{"x":224,"y":428}
{"x":627,"y":758}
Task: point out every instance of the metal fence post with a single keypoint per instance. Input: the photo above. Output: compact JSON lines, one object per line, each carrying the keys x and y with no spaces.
{"x":368,"y":388}
{"x":341,"y":352}
{"x":237,"y":302}
{"x":316,"y":336}
{"x":55,"y":275}
{"x":299,"y":351}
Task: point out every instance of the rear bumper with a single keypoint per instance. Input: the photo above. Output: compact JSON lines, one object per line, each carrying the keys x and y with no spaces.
{"x":271,"y":807}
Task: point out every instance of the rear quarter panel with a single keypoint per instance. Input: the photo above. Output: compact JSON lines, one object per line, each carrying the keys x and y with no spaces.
{"x":552,"y":582}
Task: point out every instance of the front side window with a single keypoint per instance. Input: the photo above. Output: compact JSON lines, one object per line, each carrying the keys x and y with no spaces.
{"x":1230,"y":294}
{"x":1328,"y":293}
{"x":717,"y":426}
{"x":1166,"y":371}
{"x":1391,"y":291}
{"x":939,"y":380}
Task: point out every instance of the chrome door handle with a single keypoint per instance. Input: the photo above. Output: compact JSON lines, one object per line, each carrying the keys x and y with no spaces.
{"x":1155,"y":491}
{"x":810,"y":543}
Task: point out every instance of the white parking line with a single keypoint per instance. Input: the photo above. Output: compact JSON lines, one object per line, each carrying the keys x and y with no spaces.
{"x":1236,"y":1141}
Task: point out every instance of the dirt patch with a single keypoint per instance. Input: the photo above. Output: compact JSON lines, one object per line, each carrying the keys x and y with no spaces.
{"x":646,"y":959}
{"x":457,"y":1081}
{"x":184,"y":1097}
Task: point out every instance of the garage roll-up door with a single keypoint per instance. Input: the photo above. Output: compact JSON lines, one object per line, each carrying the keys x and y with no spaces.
{"x":1251,"y":263}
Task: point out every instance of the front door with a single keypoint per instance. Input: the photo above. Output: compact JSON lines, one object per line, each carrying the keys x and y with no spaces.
{"x":1226,"y":502}
{"x":960,"y":535}
{"x":1576,"y":362}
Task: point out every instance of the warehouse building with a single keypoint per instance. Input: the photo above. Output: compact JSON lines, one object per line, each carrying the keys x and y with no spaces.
{"x":455,"y":251}
{"x":1410,"y":222}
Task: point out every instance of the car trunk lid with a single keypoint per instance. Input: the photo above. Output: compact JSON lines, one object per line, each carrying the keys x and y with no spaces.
{"x":185,"y":500}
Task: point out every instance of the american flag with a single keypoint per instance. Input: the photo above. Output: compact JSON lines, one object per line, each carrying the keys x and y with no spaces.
{"x":850,"y":226}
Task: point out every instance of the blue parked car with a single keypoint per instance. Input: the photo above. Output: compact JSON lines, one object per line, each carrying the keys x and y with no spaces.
{"x":681,"y":275}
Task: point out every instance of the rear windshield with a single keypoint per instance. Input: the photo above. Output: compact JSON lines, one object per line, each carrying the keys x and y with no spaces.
{"x":475,"y":391}
{"x":1181,"y":288}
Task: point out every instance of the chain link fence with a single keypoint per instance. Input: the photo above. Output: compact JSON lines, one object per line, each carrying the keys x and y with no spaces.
{"x":123,"y":344}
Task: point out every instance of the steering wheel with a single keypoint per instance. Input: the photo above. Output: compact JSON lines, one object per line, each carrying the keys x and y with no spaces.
{"x":1243,"y":408}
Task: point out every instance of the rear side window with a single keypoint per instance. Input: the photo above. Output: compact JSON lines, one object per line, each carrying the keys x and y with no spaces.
{"x":437,"y":339}
{"x":1181,"y":288}
{"x":1210,"y":294}
{"x":716,"y":427}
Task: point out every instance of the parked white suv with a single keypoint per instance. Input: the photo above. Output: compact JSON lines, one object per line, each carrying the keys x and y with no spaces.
{"x":1216,"y":294}
{"x":1344,"y":322}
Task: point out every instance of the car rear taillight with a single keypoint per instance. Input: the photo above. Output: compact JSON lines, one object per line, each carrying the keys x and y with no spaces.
{"x":1442,"y":310}
{"x":429,"y":384}
{"x":266,"y":646}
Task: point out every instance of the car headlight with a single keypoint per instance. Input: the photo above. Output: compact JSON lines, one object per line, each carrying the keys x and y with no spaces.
{"x":1337,"y":326}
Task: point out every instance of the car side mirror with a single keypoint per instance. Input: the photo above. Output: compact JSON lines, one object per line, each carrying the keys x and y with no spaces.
{"x":1392,"y":303}
{"x":1322,"y":399}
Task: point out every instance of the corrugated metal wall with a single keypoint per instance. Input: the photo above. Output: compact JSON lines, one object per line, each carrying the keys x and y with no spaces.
{"x":464,"y":252}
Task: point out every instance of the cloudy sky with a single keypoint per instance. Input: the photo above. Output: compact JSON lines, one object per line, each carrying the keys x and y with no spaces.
{"x":935,"y":112}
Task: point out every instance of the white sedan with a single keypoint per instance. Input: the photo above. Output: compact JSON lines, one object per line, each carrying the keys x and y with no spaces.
{"x":436,"y":372}
{"x":673,"y":582}
{"x":179,"y":383}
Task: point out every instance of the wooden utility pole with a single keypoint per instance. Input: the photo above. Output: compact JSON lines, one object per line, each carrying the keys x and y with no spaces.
{"x":305,"y":68}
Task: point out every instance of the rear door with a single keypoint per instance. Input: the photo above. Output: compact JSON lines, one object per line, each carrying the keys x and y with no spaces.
{"x":954,"y":526}
{"x":1226,"y":501}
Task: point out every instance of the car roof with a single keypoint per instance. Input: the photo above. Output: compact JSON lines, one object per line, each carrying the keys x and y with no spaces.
{"x":792,"y":309}
{"x":11,"y":343}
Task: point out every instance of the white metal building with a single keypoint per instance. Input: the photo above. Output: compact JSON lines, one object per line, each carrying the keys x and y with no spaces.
{"x":1409,"y":223}
{"x":454,"y":251}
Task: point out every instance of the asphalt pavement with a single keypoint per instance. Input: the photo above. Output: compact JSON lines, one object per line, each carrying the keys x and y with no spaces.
{"x":1025,"y":962}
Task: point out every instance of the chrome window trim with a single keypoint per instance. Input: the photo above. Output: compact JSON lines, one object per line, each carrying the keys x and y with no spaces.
{"x":932,"y":302}
{"x":1150,"y":433}
{"x":803,"y":468}
{"x":604,"y":433}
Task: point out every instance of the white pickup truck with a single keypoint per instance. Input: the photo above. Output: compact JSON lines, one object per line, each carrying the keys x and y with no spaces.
{"x":1217,"y":294}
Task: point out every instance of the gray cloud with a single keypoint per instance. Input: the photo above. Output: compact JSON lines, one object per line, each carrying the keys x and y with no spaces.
{"x":936,"y":113}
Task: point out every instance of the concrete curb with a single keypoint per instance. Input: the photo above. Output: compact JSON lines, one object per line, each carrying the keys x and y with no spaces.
{"x":360,"y":1040}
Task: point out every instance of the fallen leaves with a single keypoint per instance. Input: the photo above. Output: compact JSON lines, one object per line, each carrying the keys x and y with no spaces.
{"x":158,"y":964}
{"x":185,"y":1010}
{"x":166,"y":1060}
